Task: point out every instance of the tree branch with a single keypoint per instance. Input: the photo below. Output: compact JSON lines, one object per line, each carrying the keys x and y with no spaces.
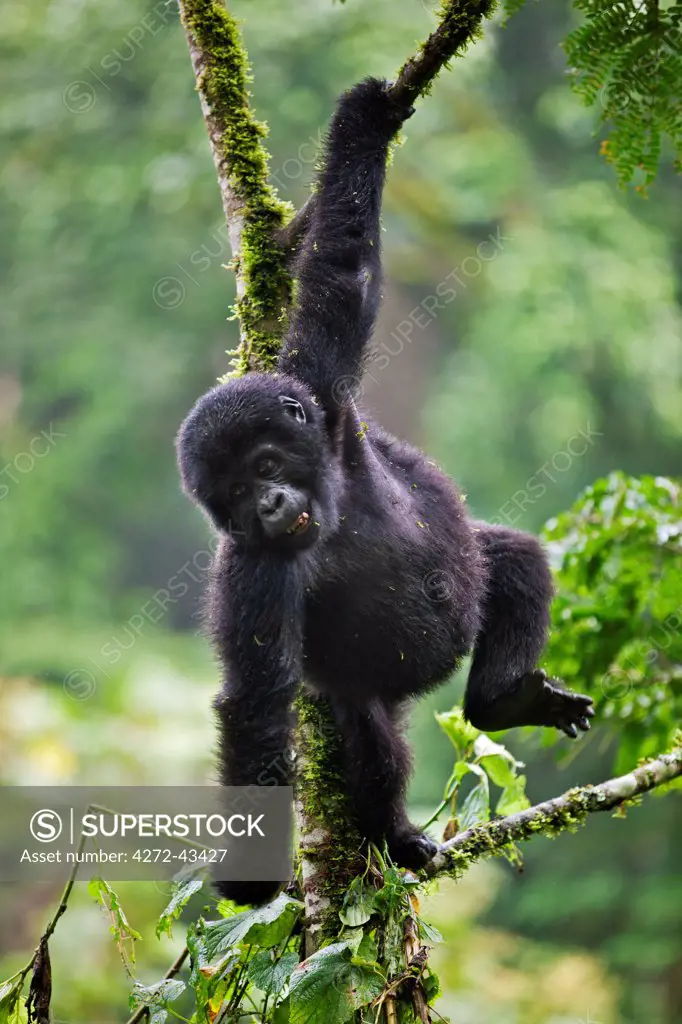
{"x":553,"y":816}
{"x":251,"y":207}
{"x":460,"y":25}
{"x":61,"y":909}
{"x":252,"y":210}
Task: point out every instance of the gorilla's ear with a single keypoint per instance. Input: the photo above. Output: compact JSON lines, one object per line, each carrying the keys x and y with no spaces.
{"x":293,"y":408}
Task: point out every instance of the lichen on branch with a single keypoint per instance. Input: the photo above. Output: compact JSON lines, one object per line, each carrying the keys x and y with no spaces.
{"x":565,"y":812}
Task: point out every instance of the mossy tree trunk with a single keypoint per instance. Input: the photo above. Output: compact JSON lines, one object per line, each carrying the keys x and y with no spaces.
{"x":328,"y":848}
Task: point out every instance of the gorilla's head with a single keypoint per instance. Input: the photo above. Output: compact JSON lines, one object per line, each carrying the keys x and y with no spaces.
{"x":254,"y":454}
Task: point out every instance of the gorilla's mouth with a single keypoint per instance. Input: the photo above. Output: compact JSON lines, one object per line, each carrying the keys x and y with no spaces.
{"x":300,"y":525}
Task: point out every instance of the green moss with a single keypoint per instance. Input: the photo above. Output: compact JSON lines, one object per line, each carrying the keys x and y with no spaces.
{"x":238,"y":136}
{"x":462,"y":23}
{"x":320,"y":788}
{"x":459,"y":24}
{"x":492,"y":838}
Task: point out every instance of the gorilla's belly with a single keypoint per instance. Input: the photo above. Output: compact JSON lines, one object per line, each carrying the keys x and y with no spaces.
{"x":383,"y":643}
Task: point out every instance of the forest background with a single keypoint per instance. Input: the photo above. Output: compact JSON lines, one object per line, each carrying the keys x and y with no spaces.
{"x":553,"y":357}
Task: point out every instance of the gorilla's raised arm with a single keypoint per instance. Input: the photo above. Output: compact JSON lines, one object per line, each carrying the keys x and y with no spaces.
{"x":339,"y":269}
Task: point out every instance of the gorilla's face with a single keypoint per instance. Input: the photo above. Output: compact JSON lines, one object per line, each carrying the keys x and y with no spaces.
{"x":256,"y":458}
{"x":269,"y":494}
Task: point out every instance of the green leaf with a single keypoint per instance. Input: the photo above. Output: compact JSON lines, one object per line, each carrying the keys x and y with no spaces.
{"x":208,"y":979}
{"x":616,"y":617}
{"x":500,"y":769}
{"x":264,"y":926}
{"x":460,"y":732}
{"x":319,"y":987}
{"x":156,"y":997}
{"x":8,"y":989}
{"x":182,"y":893}
{"x":282,"y":1012}
{"x":367,"y":950}
{"x":124,"y":935}
{"x":352,"y":937}
{"x":366,"y":983}
{"x":428,"y":932}
{"x":460,"y":769}
{"x":431,"y":985}
{"x":500,"y":765}
{"x":358,"y":904}
{"x":476,"y":807}
{"x":330,"y":985}
{"x":271,"y":973}
{"x":513,"y":798}
{"x":12,"y":1010}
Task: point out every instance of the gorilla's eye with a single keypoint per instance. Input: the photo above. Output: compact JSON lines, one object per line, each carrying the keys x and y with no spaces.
{"x":267,"y":467}
{"x":237,"y":491}
{"x":293,"y":408}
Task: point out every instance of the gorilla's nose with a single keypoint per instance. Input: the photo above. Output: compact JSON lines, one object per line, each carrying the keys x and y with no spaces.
{"x":271,"y":503}
{"x":279,"y":508}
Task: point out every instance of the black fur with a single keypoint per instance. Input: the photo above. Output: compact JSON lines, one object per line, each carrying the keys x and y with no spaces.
{"x":385,"y":583}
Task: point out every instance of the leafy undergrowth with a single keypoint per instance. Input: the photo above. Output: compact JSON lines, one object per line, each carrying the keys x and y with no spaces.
{"x":250,"y":965}
{"x":617,"y":616}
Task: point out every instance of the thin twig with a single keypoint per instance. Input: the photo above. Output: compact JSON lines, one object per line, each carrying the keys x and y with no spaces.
{"x":391,"y":1008}
{"x":412,"y":951}
{"x":61,"y":909}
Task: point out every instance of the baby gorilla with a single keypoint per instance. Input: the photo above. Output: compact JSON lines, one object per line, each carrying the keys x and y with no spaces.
{"x":347,"y":559}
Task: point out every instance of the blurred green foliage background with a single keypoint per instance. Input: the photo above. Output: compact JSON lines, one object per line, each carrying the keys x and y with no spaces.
{"x":530,"y":340}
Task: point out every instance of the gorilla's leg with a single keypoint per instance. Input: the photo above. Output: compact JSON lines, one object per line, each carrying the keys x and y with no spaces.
{"x":377,"y":766}
{"x":505,"y":689}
